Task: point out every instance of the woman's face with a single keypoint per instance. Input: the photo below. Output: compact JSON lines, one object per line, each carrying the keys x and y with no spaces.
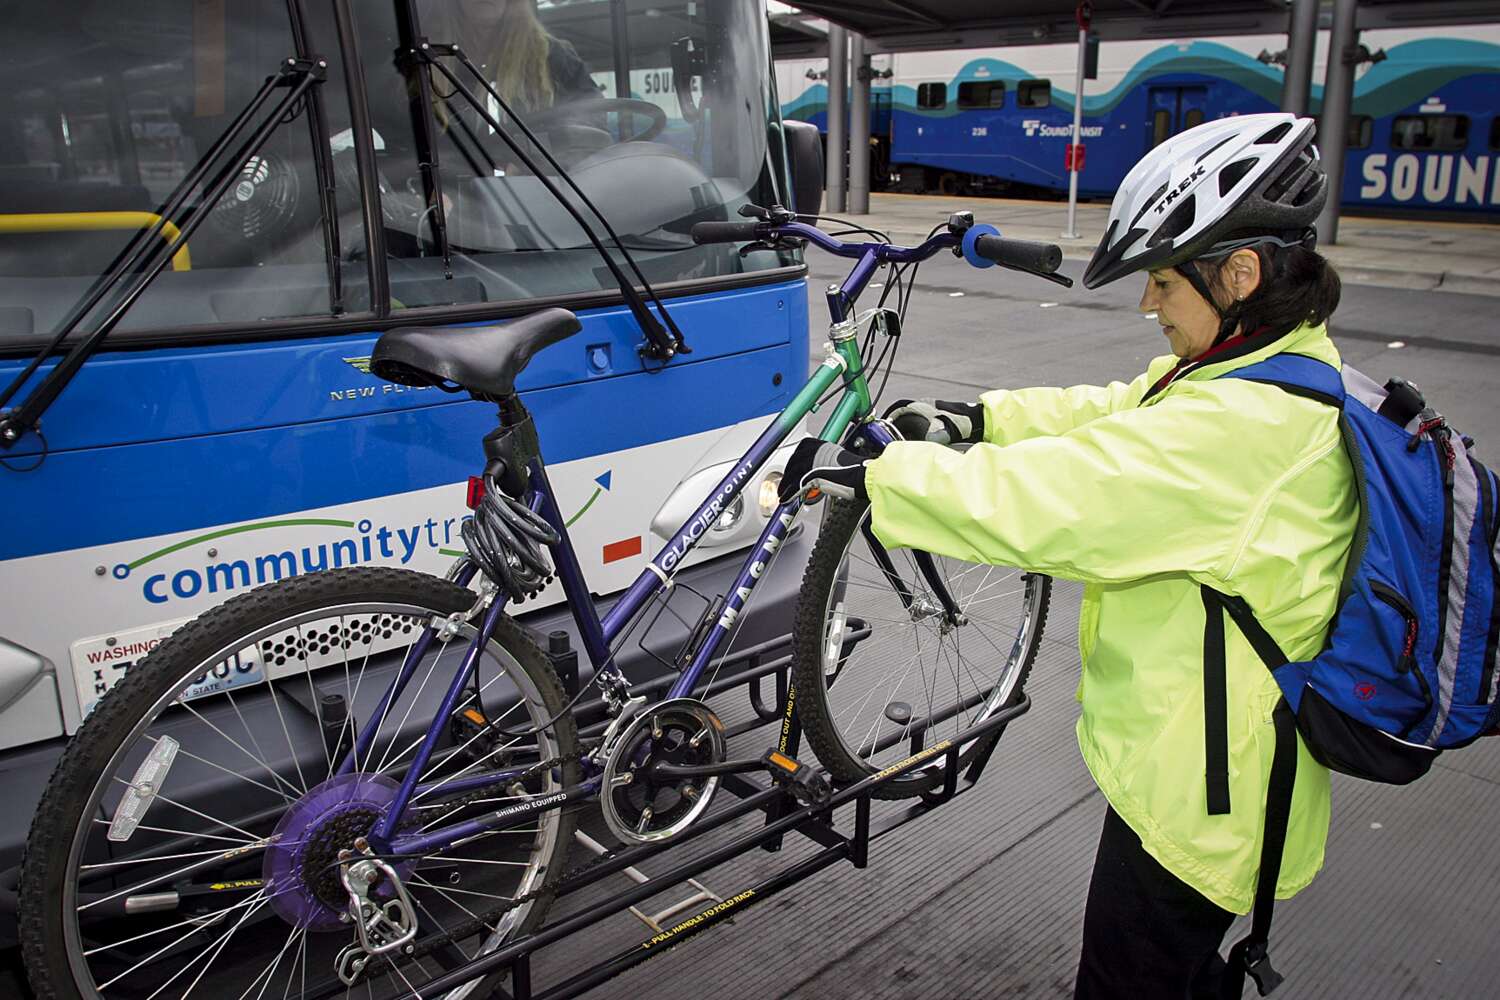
{"x":1187,"y":319}
{"x":1189,"y":322}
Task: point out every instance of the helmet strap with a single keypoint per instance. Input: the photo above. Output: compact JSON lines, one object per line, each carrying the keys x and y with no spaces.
{"x":1227,"y":324}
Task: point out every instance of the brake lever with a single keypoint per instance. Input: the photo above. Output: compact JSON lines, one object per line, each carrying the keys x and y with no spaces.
{"x":1057,"y":279}
{"x":784,"y":243}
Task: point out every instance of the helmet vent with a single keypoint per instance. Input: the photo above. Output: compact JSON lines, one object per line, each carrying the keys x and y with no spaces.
{"x":1233,"y":174}
{"x":1293,"y":182}
{"x":1210,"y":151}
{"x":1274,"y":136}
{"x":1148,"y":203}
{"x":1175,"y":225}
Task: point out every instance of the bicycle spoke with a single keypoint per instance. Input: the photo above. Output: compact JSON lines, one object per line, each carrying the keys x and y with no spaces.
{"x":159,"y":797}
{"x":235,"y":774}
{"x":216,"y":952}
{"x":199,"y":922}
{"x":165,"y":948}
{"x":290,"y":746}
{"x":162,"y":878}
{"x":295,"y":791}
{"x":270,"y":972}
{"x":314,"y":699}
{"x":411,"y":704}
{"x":260,"y":754}
{"x":434,"y":766}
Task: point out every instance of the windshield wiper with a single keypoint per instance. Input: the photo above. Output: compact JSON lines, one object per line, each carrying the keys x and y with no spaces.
{"x":660,"y":344}
{"x":147,"y":254}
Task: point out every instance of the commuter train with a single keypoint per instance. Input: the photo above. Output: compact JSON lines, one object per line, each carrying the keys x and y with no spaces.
{"x":1424,"y":133}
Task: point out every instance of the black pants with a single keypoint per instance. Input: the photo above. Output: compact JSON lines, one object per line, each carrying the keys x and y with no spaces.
{"x":1146,"y":933}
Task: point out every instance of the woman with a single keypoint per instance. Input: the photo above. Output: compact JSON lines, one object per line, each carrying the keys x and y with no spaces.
{"x":532,"y":70}
{"x":1157,"y":493}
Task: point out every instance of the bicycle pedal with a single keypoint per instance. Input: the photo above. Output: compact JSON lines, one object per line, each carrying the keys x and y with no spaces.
{"x":807,"y":786}
{"x":471,"y":731}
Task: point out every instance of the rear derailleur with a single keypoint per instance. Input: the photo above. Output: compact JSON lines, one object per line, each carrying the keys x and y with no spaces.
{"x":380,"y":909}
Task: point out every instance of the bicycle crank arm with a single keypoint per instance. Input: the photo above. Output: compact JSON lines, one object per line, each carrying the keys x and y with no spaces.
{"x":662,"y":771}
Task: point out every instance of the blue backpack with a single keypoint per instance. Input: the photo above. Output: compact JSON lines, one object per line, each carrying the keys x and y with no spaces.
{"x":1409,"y":666}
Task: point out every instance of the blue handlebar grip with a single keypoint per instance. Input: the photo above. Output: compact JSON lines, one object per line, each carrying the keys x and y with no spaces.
{"x":971,"y":252}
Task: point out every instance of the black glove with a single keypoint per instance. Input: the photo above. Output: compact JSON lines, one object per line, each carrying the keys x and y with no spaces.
{"x":937,"y":420}
{"x":828,"y":467}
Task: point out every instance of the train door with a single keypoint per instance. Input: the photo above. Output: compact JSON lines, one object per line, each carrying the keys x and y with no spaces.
{"x":1173,"y":110}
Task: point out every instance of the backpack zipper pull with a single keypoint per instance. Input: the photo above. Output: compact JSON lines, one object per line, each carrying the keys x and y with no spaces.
{"x":1408,"y":660}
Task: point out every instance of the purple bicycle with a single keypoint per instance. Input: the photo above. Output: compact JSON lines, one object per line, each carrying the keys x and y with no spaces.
{"x":397,"y":795}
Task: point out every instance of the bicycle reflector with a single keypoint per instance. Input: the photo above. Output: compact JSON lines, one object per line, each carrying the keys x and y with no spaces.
{"x":476,"y":492}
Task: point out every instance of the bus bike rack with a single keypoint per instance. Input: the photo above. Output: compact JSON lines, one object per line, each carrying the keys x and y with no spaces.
{"x":784,"y":814}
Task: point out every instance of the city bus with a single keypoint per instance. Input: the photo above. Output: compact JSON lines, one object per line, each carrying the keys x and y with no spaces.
{"x":225,"y":431}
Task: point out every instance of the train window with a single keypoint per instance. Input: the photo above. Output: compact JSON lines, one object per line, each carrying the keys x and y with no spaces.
{"x":1034,"y":93}
{"x":932,"y":96}
{"x":981,"y":94}
{"x":1361,"y":131}
{"x":1161,"y":127}
{"x":1430,"y":132}
{"x":104,"y":121}
{"x":1193,"y":118}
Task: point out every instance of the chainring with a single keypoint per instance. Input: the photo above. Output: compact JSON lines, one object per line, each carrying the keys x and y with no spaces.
{"x":640,"y":808}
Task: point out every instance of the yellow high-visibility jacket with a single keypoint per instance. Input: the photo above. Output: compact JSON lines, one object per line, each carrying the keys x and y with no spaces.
{"x":1228,"y":483}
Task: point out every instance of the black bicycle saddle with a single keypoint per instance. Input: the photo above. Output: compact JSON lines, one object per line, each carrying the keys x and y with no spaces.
{"x":482,"y":359}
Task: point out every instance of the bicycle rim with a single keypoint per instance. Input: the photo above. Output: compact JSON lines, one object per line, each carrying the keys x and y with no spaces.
{"x":278,"y":933}
{"x":919,"y":675}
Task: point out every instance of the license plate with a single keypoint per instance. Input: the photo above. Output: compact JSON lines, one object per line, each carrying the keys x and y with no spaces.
{"x":100,"y":662}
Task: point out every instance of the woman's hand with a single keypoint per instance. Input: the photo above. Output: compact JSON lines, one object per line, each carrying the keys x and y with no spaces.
{"x":821,"y":465}
{"x":937,"y":420}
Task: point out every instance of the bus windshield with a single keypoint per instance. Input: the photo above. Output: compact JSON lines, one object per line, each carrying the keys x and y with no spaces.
{"x":661,"y":113}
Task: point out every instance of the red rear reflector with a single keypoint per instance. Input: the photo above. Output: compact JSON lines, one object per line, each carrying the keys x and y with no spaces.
{"x":476,"y":492}
{"x":623,"y":549}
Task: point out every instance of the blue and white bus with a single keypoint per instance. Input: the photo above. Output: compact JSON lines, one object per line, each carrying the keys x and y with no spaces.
{"x":227,"y":432}
{"x":1424,"y":134}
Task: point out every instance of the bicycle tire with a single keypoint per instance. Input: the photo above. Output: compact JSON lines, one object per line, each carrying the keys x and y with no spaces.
{"x":53,"y":939}
{"x":831,"y":570}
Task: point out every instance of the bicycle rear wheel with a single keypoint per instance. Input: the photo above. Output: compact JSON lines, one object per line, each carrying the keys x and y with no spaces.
{"x":189,"y":841}
{"x":882,"y":667}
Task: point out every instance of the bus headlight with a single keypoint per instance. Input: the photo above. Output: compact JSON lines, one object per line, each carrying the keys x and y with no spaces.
{"x":767,"y":496}
{"x":730,"y":519}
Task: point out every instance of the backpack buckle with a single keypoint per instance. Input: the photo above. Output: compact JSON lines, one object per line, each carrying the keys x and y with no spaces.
{"x":1257,"y":965}
{"x":1403,"y":401}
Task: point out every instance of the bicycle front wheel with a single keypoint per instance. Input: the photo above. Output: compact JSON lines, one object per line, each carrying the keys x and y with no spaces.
{"x":894,"y":651}
{"x":194,"y":837}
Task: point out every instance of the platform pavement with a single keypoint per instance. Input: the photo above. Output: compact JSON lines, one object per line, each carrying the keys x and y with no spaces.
{"x":1401,"y":253}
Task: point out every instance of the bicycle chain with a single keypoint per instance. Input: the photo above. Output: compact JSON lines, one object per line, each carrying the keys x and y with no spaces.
{"x":485,"y":921}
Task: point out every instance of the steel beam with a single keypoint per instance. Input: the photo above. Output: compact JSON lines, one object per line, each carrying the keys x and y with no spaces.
{"x":886,"y":30}
{"x":859,"y":126}
{"x":1302,"y":38}
{"x":1338,"y":91}
{"x":838,"y":79}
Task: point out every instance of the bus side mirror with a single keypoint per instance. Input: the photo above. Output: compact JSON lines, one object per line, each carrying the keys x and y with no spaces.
{"x":804,"y":149}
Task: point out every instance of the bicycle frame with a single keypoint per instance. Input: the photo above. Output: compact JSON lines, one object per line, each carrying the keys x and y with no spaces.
{"x":598,"y":634}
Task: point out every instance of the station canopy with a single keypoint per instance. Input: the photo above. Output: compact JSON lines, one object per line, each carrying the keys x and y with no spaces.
{"x":892,"y":25}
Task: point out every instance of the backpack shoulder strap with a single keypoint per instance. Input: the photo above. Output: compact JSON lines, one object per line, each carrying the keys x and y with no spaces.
{"x":1297,"y":374}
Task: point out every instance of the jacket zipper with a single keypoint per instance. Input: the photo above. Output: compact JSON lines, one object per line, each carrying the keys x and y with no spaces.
{"x":1408,"y":662}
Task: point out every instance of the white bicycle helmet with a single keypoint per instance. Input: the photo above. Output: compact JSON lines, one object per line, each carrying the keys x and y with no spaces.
{"x":1226,"y":184}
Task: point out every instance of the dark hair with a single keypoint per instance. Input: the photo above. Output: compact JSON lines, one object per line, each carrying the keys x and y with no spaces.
{"x":1297,"y":286}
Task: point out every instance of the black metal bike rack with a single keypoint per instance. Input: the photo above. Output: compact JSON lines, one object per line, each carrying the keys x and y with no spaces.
{"x":783,"y":815}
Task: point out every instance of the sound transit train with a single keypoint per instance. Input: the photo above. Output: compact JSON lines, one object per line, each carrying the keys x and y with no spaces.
{"x":1424,"y":134}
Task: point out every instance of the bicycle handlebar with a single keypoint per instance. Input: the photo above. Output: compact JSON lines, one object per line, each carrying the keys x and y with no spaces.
{"x":982,"y":246}
{"x":726,"y":232}
{"x":1025,"y":255}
